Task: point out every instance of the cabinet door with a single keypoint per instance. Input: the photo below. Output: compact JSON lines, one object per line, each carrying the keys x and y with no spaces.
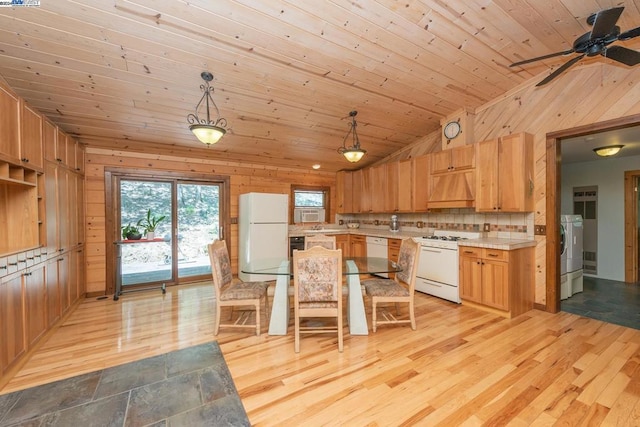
{"x":61,"y":148}
{"x":53,"y":292}
{"x":64,"y":200}
{"x":463,"y":157}
{"x":470,"y":279}
{"x":73,"y":279}
{"x":49,"y":136}
{"x":51,"y":208}
{"x":79,"y":150}
{"x":342,"y":242}
{"x":12,"y":320}
{"x":63,"y":282}
{"x":421,"y":182}
{"x":391,"y":186}
{"x":9,"y":124}
{"x":344,"y":192}
{"x":441,"y":162}
{"x":358,"y":246}
{"x":366,"y":190}
{"x":487,"y":176}
{"x":516,"y":173}
{"x":31,"y":137}
{"x":357,"y":191}
{"x":377,"y":192}
{"x":35,"y":303}
{"x":495,"y":284}
{"x":405,"y":186}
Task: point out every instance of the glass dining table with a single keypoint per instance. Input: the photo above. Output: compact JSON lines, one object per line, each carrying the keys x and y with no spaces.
{"x":352,"y":268}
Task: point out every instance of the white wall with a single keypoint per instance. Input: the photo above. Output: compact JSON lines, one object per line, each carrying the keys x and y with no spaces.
{"x":608,"y":175}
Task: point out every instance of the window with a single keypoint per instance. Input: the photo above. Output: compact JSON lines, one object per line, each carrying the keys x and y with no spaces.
{"x":310,"y":204}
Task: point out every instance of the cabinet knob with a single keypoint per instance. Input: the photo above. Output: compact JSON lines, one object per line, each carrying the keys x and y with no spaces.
{"x":24,"y":159}
{"x":13,"y":264}
{"x":59,"y":160}
{"x":3,"y":267}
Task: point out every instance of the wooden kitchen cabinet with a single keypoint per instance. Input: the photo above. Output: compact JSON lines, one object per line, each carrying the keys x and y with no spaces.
{"x":344,"y":192}
{"x":12,"y":321}
{"x":35,"y":303}
{"x":404,"y":186}
{"x":358,"y":245}
{"x":342,"y":242}
{"x":378,"y":189}
{"x":453,"y":182}
{"x":421,"y":182}
{"x":357,"y":191}
{"x":366,"y":190}
{"x":391,"y":182}
{"x":31,"y":154}
{"x":498,"y":280}
{"x":504,"y":181}
{"x":9,"y":125}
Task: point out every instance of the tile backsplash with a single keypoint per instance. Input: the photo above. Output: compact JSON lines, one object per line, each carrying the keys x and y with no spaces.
{"x":502,"y":225}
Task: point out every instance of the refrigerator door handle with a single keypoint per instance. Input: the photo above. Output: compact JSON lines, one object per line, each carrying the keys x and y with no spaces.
{"x":220,"y":235}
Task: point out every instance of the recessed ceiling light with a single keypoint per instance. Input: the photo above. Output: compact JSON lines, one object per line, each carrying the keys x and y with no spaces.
{"x":316,"y":166}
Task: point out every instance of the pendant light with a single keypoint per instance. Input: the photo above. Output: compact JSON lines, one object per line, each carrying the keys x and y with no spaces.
{"x":609,"y":150}
{"x":207,"y":130}
{"x":353,"y":153}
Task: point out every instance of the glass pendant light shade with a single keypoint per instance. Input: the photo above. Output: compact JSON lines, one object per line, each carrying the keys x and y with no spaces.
{"x":207,"y":130}
{"x":353,"y":153}
{"x":610,"y":150}
{"x":207,"y":134}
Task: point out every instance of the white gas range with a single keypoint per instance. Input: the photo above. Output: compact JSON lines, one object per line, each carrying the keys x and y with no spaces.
{"x":438,"y":264}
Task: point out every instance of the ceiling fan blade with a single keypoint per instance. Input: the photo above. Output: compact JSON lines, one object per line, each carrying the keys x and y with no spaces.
{"x":560,"y":70}
{"x":622,"y":54}
{"x":551,"y":55}
{"x":605,"y":22}
{"x":629,"y":34}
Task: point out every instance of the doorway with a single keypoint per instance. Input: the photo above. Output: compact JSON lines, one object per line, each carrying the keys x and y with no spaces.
{"x":184,"y":212}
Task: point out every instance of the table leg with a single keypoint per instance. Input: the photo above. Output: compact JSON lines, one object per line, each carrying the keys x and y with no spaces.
{"x":355,"y":311}
{"x":279,"y":321}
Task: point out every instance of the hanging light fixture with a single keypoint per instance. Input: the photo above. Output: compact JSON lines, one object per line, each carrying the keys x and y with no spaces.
{"x":207,"y":130}
{"x":609,"y":150}
{"x":353,"y":153}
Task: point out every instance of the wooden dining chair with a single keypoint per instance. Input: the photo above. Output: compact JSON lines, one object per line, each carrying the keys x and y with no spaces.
{"x":323,"y":240}
{"x":400,"y":289}
{"x":317,"y":283}
{"x":232,"y":292}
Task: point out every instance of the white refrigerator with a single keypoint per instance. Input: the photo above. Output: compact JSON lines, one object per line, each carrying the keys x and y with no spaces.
{"x":263,"y":231}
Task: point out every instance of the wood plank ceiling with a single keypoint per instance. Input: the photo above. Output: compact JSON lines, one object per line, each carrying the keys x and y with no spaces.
{"x":125,"y":74}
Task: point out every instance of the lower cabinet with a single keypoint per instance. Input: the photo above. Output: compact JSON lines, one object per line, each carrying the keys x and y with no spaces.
{"x":358,"y":245}
{"x":12,"y":321}
{"x":500,"y":280}
{"x":35,"y":303}
{"x":393,"y":249}
{"x":342,"y":242}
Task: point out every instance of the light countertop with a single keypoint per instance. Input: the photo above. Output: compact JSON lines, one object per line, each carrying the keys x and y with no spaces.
{"x":496,"y":243}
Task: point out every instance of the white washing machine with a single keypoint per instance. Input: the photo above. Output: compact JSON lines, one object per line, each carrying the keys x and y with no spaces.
{"x":574,"y":242}
{"x":563,"y":244}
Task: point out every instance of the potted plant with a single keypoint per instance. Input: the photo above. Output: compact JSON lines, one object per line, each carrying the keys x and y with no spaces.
{"x":150,"y":223}
{"x":131,"y":232}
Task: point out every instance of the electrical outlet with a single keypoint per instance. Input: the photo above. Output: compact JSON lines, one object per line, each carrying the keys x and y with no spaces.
{"x":487,"y":227}
{"x":539,"y":230}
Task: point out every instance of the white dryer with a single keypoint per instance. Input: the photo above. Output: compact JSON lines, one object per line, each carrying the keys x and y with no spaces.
{"x":563,"y":244}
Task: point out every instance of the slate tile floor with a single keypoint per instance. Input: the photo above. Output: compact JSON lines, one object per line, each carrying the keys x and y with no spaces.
{"x":188,"y":387}
{"x":606,"y":300}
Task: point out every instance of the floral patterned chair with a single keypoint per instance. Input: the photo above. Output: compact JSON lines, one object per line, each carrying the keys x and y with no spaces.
{"x":323,"y":240}
{"x":401,"y":289}
{"x":317,"y":283}
{"x":232,"y":292}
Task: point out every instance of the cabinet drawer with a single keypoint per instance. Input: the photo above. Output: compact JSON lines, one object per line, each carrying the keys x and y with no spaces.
{"x":496,"y":254}
{"x":3,"y":266}
{"x":394,"y":244}
{"x":470,"y":251}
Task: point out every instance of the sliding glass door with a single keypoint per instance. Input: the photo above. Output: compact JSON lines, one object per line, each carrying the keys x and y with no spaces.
{"x":185,"y":215}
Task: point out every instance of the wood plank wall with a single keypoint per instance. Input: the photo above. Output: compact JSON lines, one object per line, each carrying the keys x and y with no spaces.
{"x":244,"y":178}
{"x":583,"y":96}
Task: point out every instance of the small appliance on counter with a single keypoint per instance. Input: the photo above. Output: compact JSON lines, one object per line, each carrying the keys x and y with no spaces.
{"x":394,"y":225}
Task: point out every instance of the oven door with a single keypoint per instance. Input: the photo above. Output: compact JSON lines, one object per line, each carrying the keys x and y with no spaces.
{"x":439,"y":265}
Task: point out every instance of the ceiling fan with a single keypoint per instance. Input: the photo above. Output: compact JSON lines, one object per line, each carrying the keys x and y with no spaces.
{"x":604,"y":32}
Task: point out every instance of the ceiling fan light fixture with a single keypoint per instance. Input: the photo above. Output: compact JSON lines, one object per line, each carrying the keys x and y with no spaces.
{"x":207,"y":130}
{"x":608,"y":151}
{"x":353,"y":153}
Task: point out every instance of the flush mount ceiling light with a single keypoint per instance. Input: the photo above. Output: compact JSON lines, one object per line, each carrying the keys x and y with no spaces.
{"x":609,"y":150}
{"x":207,"y":130}
{"x":353,"y":153}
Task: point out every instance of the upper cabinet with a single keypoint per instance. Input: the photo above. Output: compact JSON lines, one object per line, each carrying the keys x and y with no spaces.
{"x":421,"y":182}
{"x":9,"y":125}
{"x":31,"y":138}
{"x":505,"y":174}
{"x":344,"y":192}
{"x":453,"y":178}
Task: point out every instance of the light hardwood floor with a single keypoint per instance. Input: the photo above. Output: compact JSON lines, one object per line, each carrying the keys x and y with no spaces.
{"x":462,"y":366}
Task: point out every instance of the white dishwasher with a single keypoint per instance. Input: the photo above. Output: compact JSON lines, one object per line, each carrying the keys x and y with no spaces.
{"x":377,"y":247}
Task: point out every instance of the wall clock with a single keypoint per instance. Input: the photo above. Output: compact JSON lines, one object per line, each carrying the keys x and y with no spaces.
{"x":452,"y":130}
